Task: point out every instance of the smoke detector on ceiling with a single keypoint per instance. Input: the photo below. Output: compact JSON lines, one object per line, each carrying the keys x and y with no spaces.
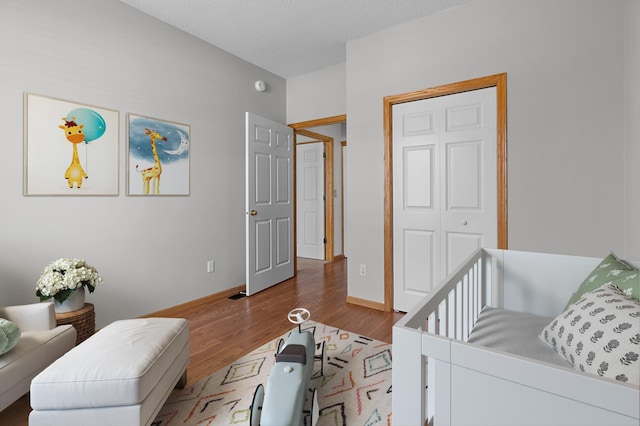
{"x":260,"y":86}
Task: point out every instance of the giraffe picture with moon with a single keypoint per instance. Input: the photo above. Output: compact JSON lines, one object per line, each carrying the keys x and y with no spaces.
{"x":158,"y":160}
{"x":65,"y":143}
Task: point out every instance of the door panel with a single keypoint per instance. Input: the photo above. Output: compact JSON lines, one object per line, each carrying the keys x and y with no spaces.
{"x":262,"y":165}
{"x":419,"y":259}
{"x":269,"y":203}
{"x":263,"y":248}
{"x":418,"y":176}
{"x":444,"y":167}
{"x":463,"y":178}
{"x":284,"y":255}
{"x":310,"y":199}
{"x":459,"y":247}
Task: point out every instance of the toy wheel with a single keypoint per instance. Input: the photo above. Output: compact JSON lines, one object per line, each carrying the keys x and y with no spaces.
{"x":256,"y":406}
{"x":299,"y":316}
{"x":315,"y":409}
{"x":322,"y":358}
{"x":280,"y":345}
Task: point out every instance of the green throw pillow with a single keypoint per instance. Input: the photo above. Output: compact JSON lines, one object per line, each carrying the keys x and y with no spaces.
{"x":9,"y":335}
{"x":610,"y":270}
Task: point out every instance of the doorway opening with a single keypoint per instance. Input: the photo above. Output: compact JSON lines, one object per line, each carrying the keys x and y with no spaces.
{"x":334,"y":206}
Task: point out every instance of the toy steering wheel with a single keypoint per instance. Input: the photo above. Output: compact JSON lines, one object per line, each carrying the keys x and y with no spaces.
{"x":299,"y":316}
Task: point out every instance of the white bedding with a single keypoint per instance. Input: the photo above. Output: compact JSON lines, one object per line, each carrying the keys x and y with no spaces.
{"x":515,"y":333}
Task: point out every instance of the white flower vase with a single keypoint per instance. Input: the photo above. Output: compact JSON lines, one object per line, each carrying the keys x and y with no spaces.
{"x":74,"y":302}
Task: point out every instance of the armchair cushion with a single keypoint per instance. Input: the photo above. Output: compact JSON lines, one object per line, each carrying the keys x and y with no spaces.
{"x":41,"y":342}
{"x":9,"y":335}
{"x":32,"y":317}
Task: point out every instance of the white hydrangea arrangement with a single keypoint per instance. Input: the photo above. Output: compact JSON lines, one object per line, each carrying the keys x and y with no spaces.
{"x":63,"y":276}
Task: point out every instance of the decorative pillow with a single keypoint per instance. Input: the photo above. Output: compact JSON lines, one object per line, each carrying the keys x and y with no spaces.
{"x":600,"y":334}
{"x":610,"y":270}
{"x":9,"y":335}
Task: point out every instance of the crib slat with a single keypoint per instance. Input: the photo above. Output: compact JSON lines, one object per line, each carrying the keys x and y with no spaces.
{"x":459,"y":319}
{"x":476,"y":308}
{"x":465,"y":306}
{"x":450,"y":322}
{"x":479,"y":286}
{"x":431,"y":321}
{"x":472,"y":300}
{"x":451,"y":310}
{"x":442,"y":310}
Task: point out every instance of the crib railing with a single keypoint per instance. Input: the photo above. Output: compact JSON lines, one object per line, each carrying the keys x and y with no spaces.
{"x":449,"y":312}
{"x":460,"y":302}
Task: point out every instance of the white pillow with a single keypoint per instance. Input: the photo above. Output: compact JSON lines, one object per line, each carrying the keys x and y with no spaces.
{"x":599,"y":334}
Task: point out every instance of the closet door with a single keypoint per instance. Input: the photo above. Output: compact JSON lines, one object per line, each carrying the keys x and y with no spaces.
{"x":444,"y":188}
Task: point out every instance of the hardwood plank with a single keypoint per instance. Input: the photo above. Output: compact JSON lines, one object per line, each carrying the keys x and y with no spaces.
{"x":222,"y":329}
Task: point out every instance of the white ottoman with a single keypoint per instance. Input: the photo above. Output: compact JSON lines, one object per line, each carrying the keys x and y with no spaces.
{"x":121,"y":375}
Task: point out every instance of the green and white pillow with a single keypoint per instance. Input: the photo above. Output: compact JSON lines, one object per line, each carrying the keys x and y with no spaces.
{"x":610,"y":270}
{"x":9,"y":335}
{"x":600,"y":334}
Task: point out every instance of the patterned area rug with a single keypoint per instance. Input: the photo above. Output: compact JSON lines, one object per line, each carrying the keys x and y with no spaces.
{"x":354,"y":390}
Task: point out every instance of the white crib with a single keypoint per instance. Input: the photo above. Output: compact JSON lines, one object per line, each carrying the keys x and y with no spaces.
{"x":470,"y":384}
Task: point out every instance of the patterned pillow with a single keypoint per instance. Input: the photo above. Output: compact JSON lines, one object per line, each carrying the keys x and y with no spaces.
{"x":9,"y":335}
{"x":600,"y":334}
{"x":610,"y":270}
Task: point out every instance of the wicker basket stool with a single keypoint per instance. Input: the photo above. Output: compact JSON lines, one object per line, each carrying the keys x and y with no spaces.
{"x":83,"y":320}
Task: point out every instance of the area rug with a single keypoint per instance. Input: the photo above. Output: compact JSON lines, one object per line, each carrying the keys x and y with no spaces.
{"x":354,"y":390}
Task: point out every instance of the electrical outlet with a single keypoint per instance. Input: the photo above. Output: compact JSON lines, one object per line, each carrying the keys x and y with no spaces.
{"x":211,"y":266}
{"x":363,"y":270}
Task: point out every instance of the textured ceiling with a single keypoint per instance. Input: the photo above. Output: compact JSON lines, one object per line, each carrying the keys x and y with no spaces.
{"x":287,"y":37}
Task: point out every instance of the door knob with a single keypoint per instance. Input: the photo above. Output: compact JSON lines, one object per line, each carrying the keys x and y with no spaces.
{"x":254,"y":212}
{"x":464,"y":222}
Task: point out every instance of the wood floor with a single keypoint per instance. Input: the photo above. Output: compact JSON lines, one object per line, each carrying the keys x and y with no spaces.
{"x":223,"y":329}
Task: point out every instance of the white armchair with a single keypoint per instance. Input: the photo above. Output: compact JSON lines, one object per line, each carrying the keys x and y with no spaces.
{"x":41,"y":343}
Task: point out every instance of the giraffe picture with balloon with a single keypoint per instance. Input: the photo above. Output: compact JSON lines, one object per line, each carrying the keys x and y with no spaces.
{"x":70,"y":148}
{"x":158,"y":160}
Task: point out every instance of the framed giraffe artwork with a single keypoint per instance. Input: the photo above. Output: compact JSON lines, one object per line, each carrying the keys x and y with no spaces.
{"x":158,"y":156}
{"x":69,"y":148}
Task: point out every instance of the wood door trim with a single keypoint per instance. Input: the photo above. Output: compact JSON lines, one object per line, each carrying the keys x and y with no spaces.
{"x":336,"y":119}
{"x":499,"y":81}
{"x":328,"y":188}
{"x":343,"y":145}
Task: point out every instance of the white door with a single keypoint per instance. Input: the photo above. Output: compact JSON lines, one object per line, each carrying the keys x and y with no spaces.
{"x":310,"y":237}
{"x":269,"y":203}
{"x":444,"y":188}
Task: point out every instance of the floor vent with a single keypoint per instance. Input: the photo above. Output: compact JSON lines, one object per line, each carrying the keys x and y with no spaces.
{"x":238,"y":296}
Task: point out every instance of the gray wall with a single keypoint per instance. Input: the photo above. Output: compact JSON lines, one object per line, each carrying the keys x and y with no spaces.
{"x":564,"y":61}
{"x":151,"y":251}
{"x":632,"y":128}
{"x":318,"y":94}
